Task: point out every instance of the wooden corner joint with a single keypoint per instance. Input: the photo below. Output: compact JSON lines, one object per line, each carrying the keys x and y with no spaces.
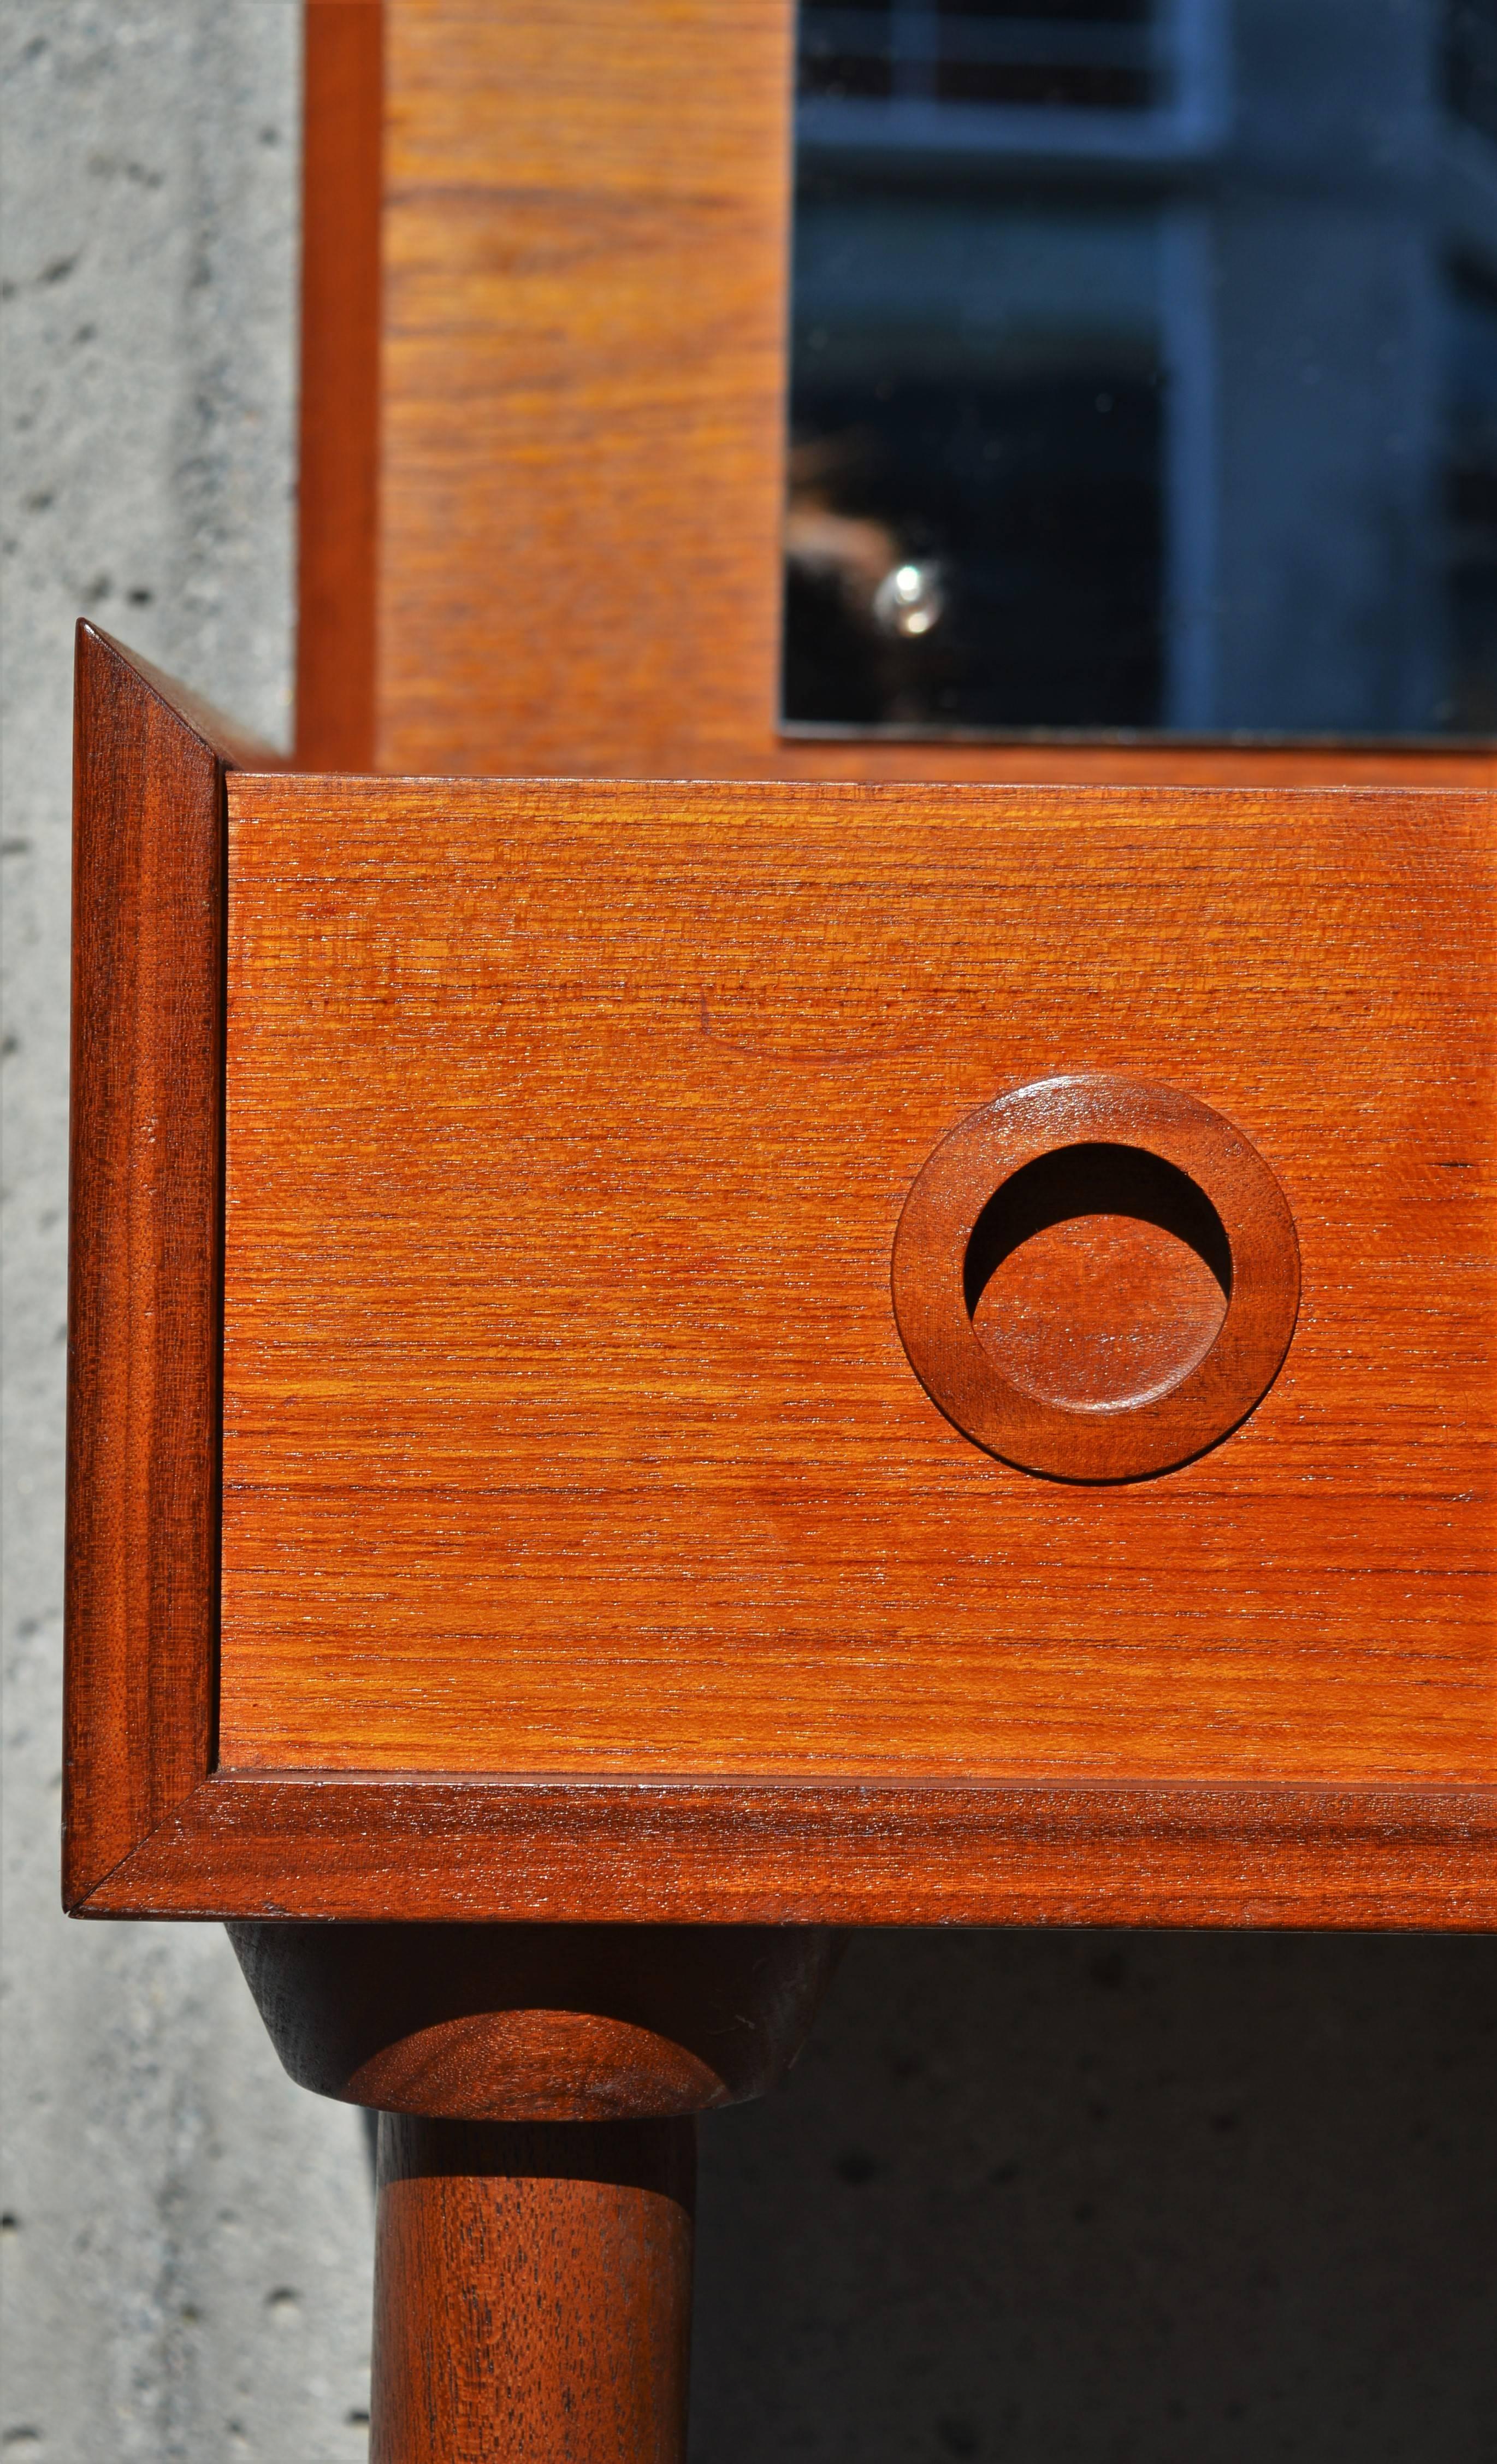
{"x":144,"y":1251}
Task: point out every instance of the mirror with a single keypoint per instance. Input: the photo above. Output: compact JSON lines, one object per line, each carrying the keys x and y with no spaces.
{"x":1144,"y":369}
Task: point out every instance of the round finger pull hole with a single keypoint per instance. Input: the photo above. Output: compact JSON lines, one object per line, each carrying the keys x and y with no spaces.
{"x":1098,"y":1274}
{"x":1095,"y":1277}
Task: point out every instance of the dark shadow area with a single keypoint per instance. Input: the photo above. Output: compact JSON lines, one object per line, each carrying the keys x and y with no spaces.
{"x":1039,"y":505}
{"x":1093,"y":1177}
{"x":1113,"y":2198}
{"x":654,"y":2155}
{"x":1471,"y":477}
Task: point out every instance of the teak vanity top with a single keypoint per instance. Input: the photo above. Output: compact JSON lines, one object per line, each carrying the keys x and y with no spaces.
{"x":589,"y":1545}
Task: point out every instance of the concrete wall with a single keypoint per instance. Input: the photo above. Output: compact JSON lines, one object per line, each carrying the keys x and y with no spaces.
{"x":1128,"y":2200}
{"x":187,"y":2246}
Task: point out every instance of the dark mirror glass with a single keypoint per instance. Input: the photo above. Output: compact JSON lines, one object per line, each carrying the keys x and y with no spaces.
{"x":1144,"y":368}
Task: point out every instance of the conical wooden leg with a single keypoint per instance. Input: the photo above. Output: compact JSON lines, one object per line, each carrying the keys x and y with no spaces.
{"x":538,"y":2088}
{"x":533,"y":2290}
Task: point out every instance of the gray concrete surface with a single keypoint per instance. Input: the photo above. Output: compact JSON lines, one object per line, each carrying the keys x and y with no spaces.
{"x":187,"y":2236}
{"x":1123,"y":2200}
{"x":1102,"y":2198}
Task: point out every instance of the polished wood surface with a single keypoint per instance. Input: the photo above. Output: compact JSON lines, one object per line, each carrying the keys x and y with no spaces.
{"x":567,"y":1427}
{"x":532,"y":2293}
{"x":537,"y":2023}
{"x":585,"y":234}
{"x":581,"y":211}
{"x":339,"y":437}
{"x":145,"y":1259}
{"x":1072,"y":1848}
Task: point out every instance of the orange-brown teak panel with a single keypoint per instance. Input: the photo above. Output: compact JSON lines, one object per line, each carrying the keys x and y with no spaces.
{"x":567,"y":1428}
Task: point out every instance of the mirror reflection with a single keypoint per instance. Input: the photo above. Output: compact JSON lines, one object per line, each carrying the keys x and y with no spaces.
{"x":1144,"y":368}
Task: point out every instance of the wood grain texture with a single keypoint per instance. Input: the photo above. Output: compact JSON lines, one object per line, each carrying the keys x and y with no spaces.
{"x":585,"y":214}
{"x":532,"y":2293}
{"x":429,"y":1849}
{"x":442,"y":1845}
{"x":537,"y":2023}
{"x":582,"y":209}
{"x":567,"y":1427}
{"x":338,"y":491}
{"x":144,"y":1250}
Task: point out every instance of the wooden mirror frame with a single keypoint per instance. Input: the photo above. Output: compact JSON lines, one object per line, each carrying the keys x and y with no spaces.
{"x":543,"y":412}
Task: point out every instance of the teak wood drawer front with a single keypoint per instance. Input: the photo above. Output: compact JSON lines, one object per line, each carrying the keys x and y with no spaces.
{"x":567,"y":1429}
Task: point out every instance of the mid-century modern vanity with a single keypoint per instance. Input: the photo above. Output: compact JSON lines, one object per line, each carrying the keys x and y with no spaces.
{"x":728,"y":1281}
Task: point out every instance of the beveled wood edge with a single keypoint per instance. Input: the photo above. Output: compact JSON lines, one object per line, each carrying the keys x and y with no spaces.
{"x":144,"y":1249}
{"x":236,"y":747}
{"x":258,"y":786}
{"x":431,"y":1847}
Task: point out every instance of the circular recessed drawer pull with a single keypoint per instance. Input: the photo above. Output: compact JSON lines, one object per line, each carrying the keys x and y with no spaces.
{"x":1095,"y":1277}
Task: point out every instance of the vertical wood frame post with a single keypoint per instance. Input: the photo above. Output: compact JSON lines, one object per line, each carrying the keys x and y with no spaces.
{"x":343,"y":149}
